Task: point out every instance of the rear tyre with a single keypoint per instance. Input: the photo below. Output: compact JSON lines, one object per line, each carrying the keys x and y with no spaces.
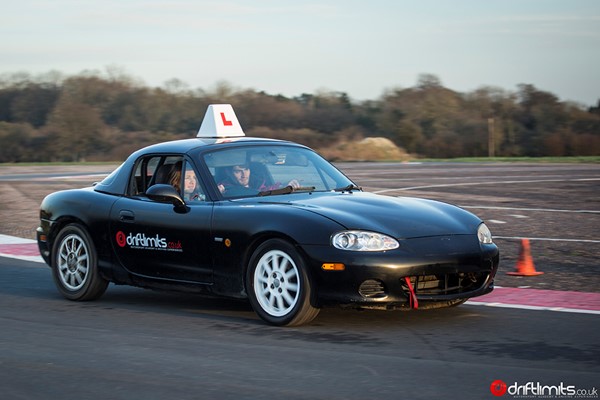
{"x":278,"y":285}
{"x":75,"y":265}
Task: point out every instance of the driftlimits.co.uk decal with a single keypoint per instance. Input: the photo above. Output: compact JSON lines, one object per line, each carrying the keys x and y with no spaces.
{"x":143,"y":242}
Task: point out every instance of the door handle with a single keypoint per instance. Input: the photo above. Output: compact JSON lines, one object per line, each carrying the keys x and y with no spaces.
{"x":126,"y":216}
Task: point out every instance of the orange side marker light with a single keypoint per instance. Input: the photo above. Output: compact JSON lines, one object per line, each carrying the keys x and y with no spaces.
{"x":333,"y":267}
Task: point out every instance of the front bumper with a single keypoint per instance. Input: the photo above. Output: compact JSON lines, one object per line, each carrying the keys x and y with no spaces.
{"x":441,"y":270}
{"x":42,"y":241}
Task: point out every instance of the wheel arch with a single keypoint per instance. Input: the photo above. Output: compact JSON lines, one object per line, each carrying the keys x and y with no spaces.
{"x":105,"y":264}
{"x":263,"y":237}
{"x":76,"y":274}
{"x":60,"y":223}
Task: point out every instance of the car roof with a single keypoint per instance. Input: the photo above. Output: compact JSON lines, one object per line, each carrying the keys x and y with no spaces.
{"x":186,"y":145}
{"x":117,"y":182}
{"x":220,"y":129}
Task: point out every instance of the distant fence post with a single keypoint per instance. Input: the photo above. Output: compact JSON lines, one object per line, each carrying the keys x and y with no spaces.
{"x":491,"y":146}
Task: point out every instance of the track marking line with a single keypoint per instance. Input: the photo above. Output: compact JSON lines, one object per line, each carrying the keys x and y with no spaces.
{"x":532,"y":209}
{"x":488,"y":183}
{"x":547,"y":239}
{"x":540,"y":299}
{"x":525,"y":307}
{"x":522,"y":298}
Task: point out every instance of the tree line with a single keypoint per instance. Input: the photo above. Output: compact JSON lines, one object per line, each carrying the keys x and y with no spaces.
{"x":105,"y":116}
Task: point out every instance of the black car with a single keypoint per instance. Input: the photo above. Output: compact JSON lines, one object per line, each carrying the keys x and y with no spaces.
{"x":262,"y":219}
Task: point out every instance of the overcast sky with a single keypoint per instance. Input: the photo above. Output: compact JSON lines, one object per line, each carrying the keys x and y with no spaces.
{"x":294,"y":47}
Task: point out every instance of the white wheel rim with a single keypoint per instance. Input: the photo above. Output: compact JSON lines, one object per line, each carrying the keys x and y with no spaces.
{"x":73,"y":262}
{"x":276,"y":283}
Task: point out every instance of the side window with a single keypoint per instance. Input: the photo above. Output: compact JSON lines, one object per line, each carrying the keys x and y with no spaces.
{"x":169,"y":172}
{"x":143,"y":175}
{"x":153,"y":170}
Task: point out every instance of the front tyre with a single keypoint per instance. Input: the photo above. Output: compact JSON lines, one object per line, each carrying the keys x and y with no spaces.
{"x":75,"y":265}
{"x":278,"y":285}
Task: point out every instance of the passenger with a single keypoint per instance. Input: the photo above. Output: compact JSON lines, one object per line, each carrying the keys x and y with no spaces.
{"x":241,"y":176}
{"x":175,"y":176}
{"x":190,"y":188}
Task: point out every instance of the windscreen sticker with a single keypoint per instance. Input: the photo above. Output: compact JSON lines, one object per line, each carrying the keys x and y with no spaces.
{"x":142,"y":242}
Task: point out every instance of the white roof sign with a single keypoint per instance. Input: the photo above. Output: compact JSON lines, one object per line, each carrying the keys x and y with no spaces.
{"x":220,"y":121}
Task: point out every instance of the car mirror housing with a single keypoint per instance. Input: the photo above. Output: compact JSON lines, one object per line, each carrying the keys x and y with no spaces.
{"x":165,"y":194}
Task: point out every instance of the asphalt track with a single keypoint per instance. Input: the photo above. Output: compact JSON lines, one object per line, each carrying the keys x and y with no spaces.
{"x":134,"y":343}
{"x":140,"y":344}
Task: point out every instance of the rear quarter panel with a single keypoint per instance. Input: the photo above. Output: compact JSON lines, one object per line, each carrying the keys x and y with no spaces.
{"x":83,"y":206}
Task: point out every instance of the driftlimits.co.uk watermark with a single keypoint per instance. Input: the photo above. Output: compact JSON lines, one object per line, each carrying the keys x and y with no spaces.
{"x":537,"y":390}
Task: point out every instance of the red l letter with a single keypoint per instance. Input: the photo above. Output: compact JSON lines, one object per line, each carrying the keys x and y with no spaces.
{"x":225,"y":122}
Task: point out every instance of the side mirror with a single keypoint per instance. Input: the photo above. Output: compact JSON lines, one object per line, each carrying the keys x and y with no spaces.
{"x":165,"y":194}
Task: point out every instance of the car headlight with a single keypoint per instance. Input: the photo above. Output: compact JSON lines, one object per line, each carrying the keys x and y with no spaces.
{"x":484,"y":234}
{"x":363,"y":241}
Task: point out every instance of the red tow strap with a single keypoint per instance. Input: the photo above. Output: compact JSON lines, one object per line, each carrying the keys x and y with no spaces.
{"x":414,"y":304}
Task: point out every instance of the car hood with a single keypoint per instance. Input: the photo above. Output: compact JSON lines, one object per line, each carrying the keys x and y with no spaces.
{"x":400,"y":217}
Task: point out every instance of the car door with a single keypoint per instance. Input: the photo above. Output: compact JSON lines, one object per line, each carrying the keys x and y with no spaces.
{"x":153,"y":239}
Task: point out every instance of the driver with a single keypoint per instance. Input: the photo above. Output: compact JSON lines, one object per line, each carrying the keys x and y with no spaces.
{"x":239,"y":176}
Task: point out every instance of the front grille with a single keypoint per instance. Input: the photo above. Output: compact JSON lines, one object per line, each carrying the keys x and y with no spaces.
{"x":445,"y":284}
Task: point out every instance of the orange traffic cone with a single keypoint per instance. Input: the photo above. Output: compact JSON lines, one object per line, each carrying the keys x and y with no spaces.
{"x":525,"y":265}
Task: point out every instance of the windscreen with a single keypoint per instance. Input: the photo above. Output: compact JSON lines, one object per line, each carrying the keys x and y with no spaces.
{"x":269,"y":169}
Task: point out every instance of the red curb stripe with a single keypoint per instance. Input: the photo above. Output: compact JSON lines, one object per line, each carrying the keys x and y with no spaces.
{"x":20,"y":249}
{"x":539,"y":298}
{"x":542,"y":298}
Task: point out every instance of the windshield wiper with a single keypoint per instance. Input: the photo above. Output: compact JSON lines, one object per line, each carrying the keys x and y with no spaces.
{"x":348,"y":188}
{"x":286,"y":190}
